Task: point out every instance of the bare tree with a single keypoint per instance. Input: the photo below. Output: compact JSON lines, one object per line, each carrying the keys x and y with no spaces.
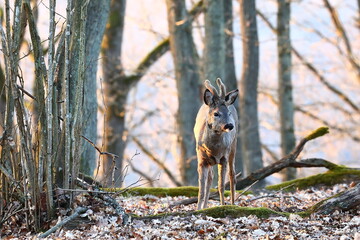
{"x":286,"y":105}
{"x":187,"y":80}
{"x":116,"y":91}
{"x":29,"y":163}
{"x":249,"y":122}
{"x":214,"y":52}
{"x":97,"y":15}
{"x":229,"y":72}
{"x":2,"y":99}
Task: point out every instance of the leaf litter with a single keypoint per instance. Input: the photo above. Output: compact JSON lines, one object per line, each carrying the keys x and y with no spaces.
{"x":101,"y":222}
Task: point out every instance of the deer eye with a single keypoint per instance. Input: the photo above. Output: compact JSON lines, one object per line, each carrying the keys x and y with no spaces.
{"x":216,"y":114}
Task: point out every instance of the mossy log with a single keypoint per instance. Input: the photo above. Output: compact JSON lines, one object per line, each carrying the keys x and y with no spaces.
{"x":335,"y":176}
{"x":187,"y":191}
{"x":230,"y":211}
{"x":347,"y":200}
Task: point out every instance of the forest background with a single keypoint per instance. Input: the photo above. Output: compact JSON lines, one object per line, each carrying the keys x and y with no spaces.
{"x":138,"y":88}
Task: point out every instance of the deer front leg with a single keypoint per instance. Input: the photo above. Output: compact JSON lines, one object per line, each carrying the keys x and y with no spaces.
{"x":203,"y":171}
{"x":208,"y":187}
{"x":221,"y":181}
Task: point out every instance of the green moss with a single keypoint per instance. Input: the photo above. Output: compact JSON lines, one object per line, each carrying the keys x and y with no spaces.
{"x":337,"y":175}
{"x":317,"y":133}
{"x":236,"y":211}
{"x":163,"y":192}
{"x":230,"y":211}
{"x":318,"y":205}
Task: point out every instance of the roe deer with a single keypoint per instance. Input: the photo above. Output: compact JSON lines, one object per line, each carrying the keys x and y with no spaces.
{"x":215,"y":133}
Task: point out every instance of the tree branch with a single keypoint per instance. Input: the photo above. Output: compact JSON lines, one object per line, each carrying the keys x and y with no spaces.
{"x":157,"y":161}
{"x":314,"y":117}
{"x":312,"y":68}
{"x":159,"y":50}
{"x":340,"y":31}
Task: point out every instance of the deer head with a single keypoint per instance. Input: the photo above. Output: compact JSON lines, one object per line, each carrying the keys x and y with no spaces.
{"x":219,"y":117}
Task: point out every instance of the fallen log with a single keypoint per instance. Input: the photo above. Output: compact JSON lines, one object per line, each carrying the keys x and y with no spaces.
{"x":347,"y":200}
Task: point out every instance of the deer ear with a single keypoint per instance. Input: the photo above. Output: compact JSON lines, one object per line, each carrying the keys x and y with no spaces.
{"x":231,"y":97}
{"x":208,"y":97}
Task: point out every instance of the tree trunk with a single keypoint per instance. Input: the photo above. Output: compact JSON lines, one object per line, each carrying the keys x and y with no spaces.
{"x":2,"y":100}
{"x":116,"y":92}
{"x":98,"y":12}
{"x":214,"y":55}
{"x":187,"y":80}
{"x":249,"y":131}
{"x":286,"y":105}
{"x":230,"y":74}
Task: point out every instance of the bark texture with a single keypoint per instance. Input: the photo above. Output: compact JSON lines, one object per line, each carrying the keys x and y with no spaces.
{"x":116,"y":91}
{"x":286,"y":104}
{"x":97,"y":16}
{"x":344,"y":201}
{"x":2,"y":99}
{"x":249,"y":122}
{"x":187,"y":81}
{"x":214,"y":55}
{"x":230,"y":73}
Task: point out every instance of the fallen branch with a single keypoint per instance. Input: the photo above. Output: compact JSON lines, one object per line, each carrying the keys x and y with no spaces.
{"x":106,"y":198}
{"x":78,"y":211}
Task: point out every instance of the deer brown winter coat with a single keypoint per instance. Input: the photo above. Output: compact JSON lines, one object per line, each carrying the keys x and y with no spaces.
{"x":215,"y":133}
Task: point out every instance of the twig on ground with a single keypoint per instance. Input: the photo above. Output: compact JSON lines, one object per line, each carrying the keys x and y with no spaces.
{"x":245,"y":190}
{"x":76,"y":213}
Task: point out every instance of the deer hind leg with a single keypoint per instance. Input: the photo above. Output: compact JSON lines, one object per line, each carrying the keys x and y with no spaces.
{"x":208,"y":187}
{"x":232,"y":175}
{"x":203,"y":171}
{"x":221,"y":181}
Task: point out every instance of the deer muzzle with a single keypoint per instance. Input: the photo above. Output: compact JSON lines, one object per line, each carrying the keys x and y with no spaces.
{"x":228,"y":127}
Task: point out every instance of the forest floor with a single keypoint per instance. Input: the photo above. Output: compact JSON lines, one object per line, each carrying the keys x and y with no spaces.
{"x":101,"y":222}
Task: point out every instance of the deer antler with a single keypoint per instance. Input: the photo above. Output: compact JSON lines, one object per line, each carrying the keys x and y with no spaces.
{"x":222,"y":88}
{"x":211,"y":88}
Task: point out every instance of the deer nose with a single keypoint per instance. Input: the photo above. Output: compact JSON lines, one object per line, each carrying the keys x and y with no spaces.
{"x":228,"y":127}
